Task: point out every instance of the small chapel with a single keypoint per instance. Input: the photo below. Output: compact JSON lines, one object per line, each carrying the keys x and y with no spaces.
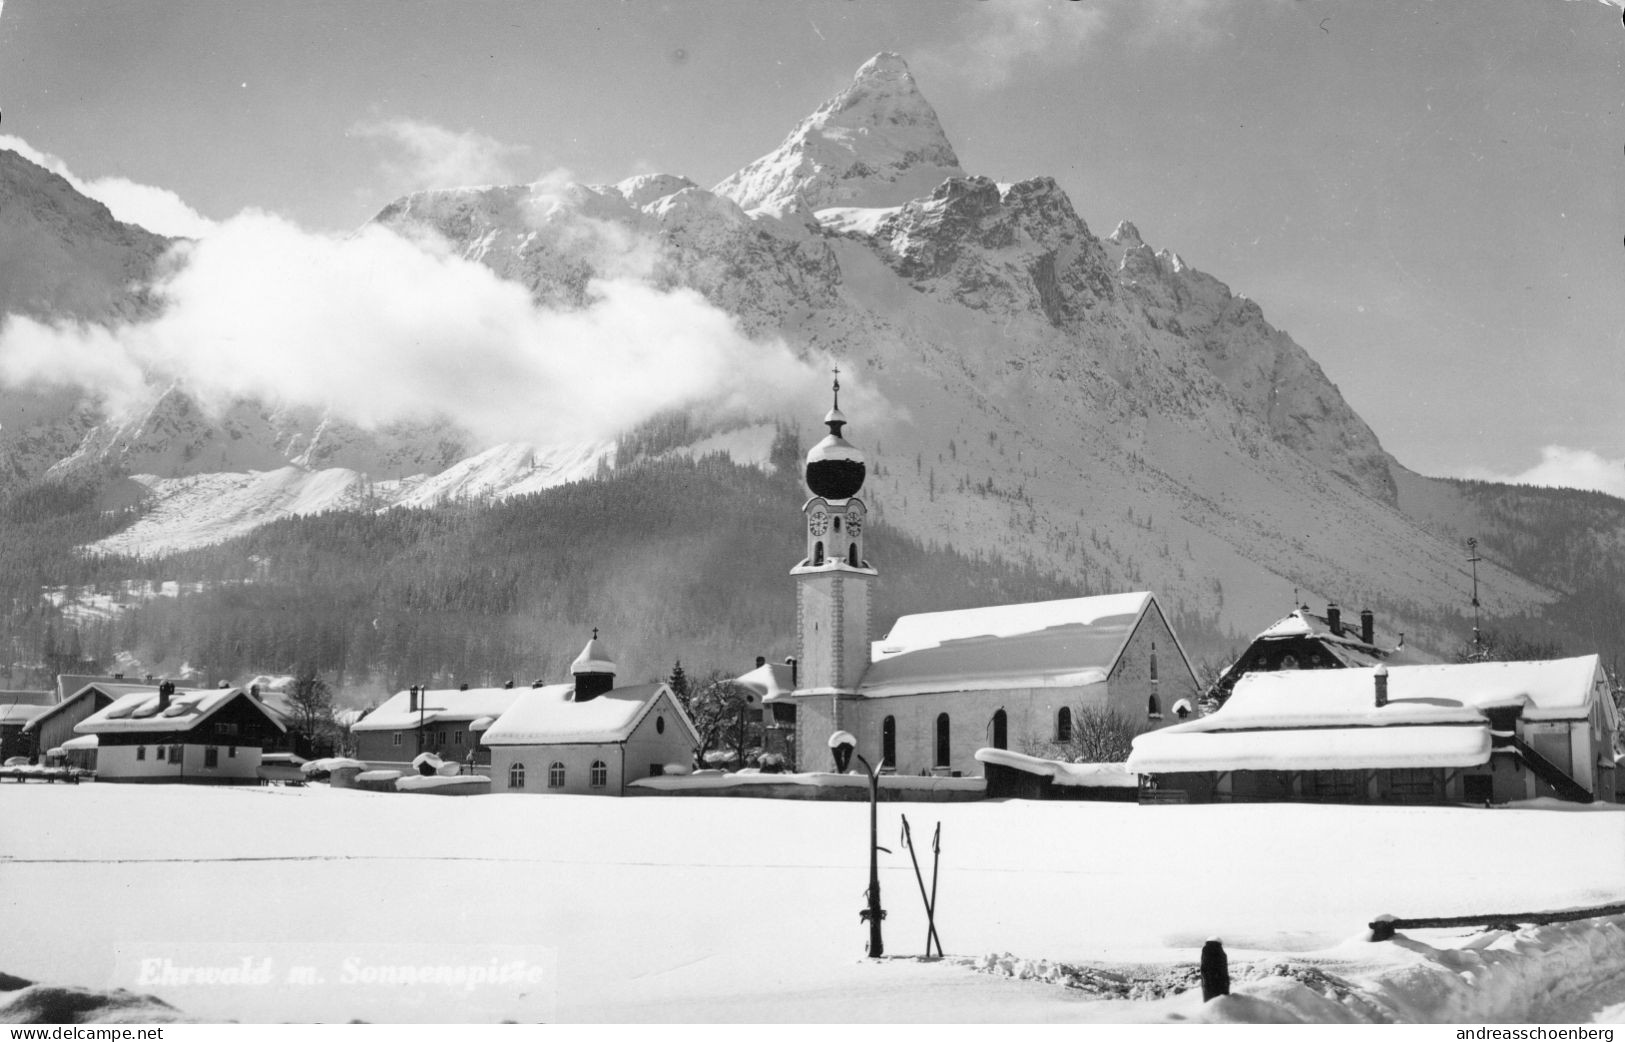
{"x":942,"y":685}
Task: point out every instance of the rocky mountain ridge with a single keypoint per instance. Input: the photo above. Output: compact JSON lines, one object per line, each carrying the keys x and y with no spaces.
{"x":1090,"y":407}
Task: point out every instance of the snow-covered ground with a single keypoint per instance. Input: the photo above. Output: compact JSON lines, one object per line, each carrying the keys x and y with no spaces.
{"x":746,"y":910}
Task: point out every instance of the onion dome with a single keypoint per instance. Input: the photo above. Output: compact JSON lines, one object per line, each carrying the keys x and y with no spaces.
{"x":594,"y":658}
{"x":835,"y":469}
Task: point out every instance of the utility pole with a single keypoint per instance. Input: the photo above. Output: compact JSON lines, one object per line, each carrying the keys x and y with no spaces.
{"x":1473,"y":559}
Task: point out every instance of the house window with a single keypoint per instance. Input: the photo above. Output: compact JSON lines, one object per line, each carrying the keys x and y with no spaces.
{"x":888,"y":742}
{"x":600,"y":774}
{"x":440,"y":739}
{"x":231,"y":753}
{"x":140,"y":752}
{"x":1001,"y":730}
{"x":656,"y":770}
{"x":211,"y":756}
{"x":516,"y":776}
{"x":457,"y":738}
{"x":942,"y":740}
{"x":1063,"y":725}
{"x":175,"y":753}
{"x":397,"y":739}
{"x":555,"y":775}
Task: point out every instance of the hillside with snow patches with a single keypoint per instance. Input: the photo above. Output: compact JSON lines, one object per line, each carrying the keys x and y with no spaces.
{"x":1094,"y":407}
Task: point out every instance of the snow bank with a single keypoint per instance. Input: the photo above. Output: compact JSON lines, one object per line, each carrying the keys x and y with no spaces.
{"x":810,"y":786}
{"x":1077,"y":775}
{"x":444,"y":785}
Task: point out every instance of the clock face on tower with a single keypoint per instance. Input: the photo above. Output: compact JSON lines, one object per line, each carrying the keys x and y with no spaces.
{"x":817,"y":522}
{"x":854,"y":525}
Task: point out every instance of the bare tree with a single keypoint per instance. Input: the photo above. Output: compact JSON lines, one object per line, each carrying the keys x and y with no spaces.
{"x":718,"y":708}
{"x":1098,"y":735}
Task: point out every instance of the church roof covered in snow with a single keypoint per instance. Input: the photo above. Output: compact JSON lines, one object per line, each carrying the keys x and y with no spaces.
{"x":142,"y":711}
{"x":448,"y":706}
{"x":550,"y":715}
{"x":770,"y":682}
{"x":1434,"y":716}
{"x":1064,"y":643}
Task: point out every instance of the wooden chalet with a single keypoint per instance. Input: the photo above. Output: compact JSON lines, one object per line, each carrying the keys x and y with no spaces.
{"x":162,"y":734}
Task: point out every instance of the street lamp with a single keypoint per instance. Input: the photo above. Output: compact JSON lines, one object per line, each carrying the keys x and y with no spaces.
{"x":844,"y":746}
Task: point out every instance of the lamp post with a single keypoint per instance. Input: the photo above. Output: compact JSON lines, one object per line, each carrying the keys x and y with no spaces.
{"x":844,"y":746}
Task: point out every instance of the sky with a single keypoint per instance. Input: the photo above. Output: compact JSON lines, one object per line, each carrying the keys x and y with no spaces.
{"x":1426,"y":195}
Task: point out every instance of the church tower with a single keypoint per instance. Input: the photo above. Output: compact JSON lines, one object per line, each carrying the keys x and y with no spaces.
{"x":833,"y":580}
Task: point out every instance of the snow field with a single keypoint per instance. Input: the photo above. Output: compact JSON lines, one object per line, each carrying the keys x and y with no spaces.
{"x":740,"y":909}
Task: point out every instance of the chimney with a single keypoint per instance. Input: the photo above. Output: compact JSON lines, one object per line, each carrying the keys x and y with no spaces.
{"x":1401,"y":643}
{"x":1368,"y":627}
{"x":412,"y":702}
{"x":793,"y":664}
{"x":1334,"y":619}
{"x":166,"y":691}
{"x":761,"y":660}
{"x":1381,"y":678}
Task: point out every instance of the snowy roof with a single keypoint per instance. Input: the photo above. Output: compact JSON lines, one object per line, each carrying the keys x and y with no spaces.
{"x":1072,"y":775}
{"x":594,"y":658}
{"x":444,"y":706}
{"x":84,"y":741}
{"x":1065,"y":643}
{"x":1328,"y":719}
{"x":138,"y":711}
{"x":1561,"y":689}
{"x":769,"y":682}
{"x":1346,"y":647}
{"x":22,"y":714}
{"x":551,"y":716}
{"x":88,"y":691}
{"x":1174,"y":750}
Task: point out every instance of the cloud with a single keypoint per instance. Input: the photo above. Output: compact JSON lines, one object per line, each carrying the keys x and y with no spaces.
{"x":1563,"y":467}
{"x":155,"y":209}
{"x":379,"y":328}
{"x":995,"y":40}
{"x":423,"y":155}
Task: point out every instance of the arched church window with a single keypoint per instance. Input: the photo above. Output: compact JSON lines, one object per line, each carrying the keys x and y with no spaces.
{"x":888,"y":742}
{"x":1001,"y":730}
{"x":942,"y":740}
{"x":852,"y":555}
{"x":1153,"y":708}
{"x":818,"y":552}
{"x":516,"y":776}
{"x":1153,"y":660}
{"x":1063,"y":725}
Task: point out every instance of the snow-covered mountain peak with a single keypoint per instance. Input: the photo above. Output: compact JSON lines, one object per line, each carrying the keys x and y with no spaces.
{"x":644,"y":189}
{"x":877,"y":143}
{"x":1125,"y":234}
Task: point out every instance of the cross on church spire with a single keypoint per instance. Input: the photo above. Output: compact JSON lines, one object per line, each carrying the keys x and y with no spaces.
{"x":837,"y":372}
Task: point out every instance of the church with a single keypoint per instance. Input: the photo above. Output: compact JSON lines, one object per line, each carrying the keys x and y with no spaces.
{"x":941,"y":685}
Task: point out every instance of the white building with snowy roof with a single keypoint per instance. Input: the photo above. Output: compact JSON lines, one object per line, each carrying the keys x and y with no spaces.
{"x":588,"y":737}
{"x":942,"y":685}
{"x":1483,"y":732}
{"x":162,"y":734}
